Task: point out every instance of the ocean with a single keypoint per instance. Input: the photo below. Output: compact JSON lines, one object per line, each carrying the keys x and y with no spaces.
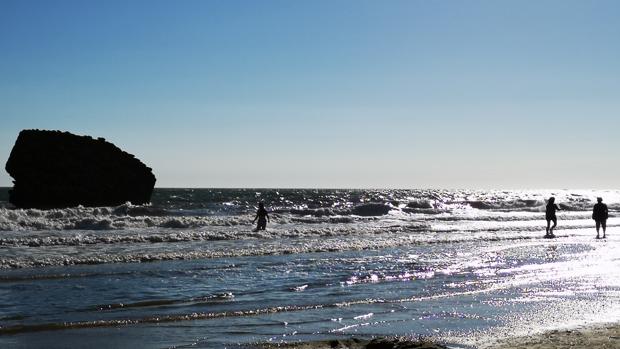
{"x":465,"y":267}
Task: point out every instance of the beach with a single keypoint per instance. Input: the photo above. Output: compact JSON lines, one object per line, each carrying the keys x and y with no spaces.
{"x":462,"y":268}
{"x":601,"y":336}
{"x":356,"y":343}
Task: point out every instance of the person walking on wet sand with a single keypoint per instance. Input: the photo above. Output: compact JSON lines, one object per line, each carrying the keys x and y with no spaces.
{"x":550,"y":216}
{"x":600,"y":214}
{"x":262,"y":217}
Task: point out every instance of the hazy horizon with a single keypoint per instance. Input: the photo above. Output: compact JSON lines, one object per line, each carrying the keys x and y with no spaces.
{"x":321,"y":94}
{"x":598,"y":191}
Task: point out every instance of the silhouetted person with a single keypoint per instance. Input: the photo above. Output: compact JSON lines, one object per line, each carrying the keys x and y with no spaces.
{"x":550,"y":216}
{"x":600,"y":214}
{"x":262,"y":217}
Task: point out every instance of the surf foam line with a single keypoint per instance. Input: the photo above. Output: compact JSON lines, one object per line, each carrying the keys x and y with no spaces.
{"x":152,"y":236}
{"x":265,"y":248}
{"x":124,"y":217}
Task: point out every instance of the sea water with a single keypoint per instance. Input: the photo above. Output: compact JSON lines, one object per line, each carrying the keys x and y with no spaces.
{"x":463,"y":266}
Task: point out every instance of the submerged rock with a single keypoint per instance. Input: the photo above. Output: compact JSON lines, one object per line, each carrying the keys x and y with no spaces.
{"x":54,"y":169}
{"x":371,"y":209}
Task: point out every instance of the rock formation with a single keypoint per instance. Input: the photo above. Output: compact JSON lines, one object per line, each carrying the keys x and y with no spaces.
{"x":54,"y":169}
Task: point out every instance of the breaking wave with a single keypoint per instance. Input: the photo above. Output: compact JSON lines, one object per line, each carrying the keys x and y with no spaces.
{"x":193,"y":224}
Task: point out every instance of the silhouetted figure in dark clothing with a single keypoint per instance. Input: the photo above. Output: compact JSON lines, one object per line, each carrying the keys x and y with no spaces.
{"x":550,"y":216}
{"x":262,"y":217}
{"x":600,"y":214}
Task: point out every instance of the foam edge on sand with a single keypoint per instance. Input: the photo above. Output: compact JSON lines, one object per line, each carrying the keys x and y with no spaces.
{"x":600,"y":336}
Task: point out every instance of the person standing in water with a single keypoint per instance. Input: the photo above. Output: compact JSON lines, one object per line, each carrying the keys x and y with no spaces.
{"x":262,"y":217}
{"x":600,"y":214}
{"x":550,"y":216}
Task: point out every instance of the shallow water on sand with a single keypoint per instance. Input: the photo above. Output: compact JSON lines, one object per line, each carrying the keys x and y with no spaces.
{"x":463,"y":275}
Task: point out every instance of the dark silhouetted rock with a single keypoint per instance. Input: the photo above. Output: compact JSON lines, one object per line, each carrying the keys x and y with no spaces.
{"x":383,"y":343}
{"x":371,"y":209}
{"x":54,"y":169}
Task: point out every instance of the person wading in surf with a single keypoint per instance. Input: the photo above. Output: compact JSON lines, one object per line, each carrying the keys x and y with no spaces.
{"x":600,"y":214}
{"x":262,"y":217}
{"x":550,"y":216}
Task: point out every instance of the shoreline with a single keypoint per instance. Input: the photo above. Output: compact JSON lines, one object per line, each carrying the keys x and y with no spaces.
{"x":359,"y":343}
{"x":598,"y":336}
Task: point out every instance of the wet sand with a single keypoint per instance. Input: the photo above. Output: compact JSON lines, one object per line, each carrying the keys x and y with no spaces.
{"x":600,"y":337}
{"x":355,"y":343}
{"x":606,"y":336}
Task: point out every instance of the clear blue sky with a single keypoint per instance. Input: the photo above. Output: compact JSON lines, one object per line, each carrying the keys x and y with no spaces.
{"x":410,"y":94}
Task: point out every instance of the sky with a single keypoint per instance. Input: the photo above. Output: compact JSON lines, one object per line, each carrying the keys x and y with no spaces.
{"x":325,"y":94}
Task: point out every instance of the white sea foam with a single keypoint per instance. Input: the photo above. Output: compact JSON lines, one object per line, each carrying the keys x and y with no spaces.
{"x":311,"y":221}
{"x":124,"y":217}
{"x":68,"y":247}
